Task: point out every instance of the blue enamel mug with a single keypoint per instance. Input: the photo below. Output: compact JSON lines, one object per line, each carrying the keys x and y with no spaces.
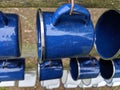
{"x":50,"y":69}
{"x":110,"y":68}
{"x":107,"y":35}
{"x":84,"y":68}
{"x":12,"y":69}
{"x":9,"y":35}
{"x":62,"y":35}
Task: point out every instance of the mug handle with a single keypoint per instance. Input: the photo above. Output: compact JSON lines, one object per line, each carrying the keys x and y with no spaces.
{"x":3,"y":18}
{"x":66,"y":8}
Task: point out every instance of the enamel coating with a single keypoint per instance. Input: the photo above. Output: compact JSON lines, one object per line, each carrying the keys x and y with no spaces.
{"x":117,"y":68}
{"x":12,"y":69}
{"x":110,"y":68}
{"x":51,"y":70}
{"x":84,"y":68}
{"x":9,"y":41}
{"x":108,"y":34}
{"x":66,"y":35}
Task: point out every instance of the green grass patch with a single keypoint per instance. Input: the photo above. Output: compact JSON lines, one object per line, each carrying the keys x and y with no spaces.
{"x":1,"y":88}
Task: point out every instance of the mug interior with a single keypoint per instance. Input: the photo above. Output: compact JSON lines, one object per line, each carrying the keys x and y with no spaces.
{"x":108,"y":33}
{"x":106,"y":68}
{"x":74,"y":69}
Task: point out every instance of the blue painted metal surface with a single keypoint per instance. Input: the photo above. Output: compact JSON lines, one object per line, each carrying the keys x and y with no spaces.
{"x":66,"y":35}
{"x":107,"y":35}
{"x":84,"y":68}
{"x":110,"y":68}
{"x":51,"y":70}
{"x":9,"y":41}
{"x":12,"y":69}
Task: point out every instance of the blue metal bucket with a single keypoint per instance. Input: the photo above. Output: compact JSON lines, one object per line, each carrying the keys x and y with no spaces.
{"x":9,"y":41}
{"x":107,"y":35}
{"x":84,"y":68}
{"x":110,"y":68}
{"x":50,"y":70}
{"x":62,"y":35}
{"x":12,"y":69}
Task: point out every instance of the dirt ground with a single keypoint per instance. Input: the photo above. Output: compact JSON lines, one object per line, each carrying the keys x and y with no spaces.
{"x":29,"y":47}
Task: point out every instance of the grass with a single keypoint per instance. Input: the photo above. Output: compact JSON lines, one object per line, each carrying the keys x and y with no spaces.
{"x":101,"y":3}
{"x":1,"y":88}
{"x":56,"y":3}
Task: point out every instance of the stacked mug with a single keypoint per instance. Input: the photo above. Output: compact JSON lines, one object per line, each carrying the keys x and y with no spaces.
{"x":62,"y":35}
{"x":11,"y":64}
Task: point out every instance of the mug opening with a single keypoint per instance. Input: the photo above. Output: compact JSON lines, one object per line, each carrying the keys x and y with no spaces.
{"x":107,"y":34}
{"x":74,"y":69}
{"x":106,"y":68}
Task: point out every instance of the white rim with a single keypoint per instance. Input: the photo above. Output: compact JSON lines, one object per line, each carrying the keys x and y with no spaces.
{"x":42,"y":35}
{"x":113,"y":70}
{"x":109,"y":81}
{"x":86,"y":82}
{"x":78,"y":69}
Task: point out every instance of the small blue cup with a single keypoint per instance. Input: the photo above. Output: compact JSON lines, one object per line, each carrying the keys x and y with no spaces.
{"x":84,"y":68}
{"x":110,"y":68}
{"x":12,"y":69}
{"x":50,"y":69}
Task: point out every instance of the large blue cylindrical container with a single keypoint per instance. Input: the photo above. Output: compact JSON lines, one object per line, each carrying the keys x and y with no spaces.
{"x":62,"y":35}
{"x":110,"y":68}
{"x":84,"y":68}
{"x":108,"y":34}
{"x":9,"y":38}
{"x":50,"y":69}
